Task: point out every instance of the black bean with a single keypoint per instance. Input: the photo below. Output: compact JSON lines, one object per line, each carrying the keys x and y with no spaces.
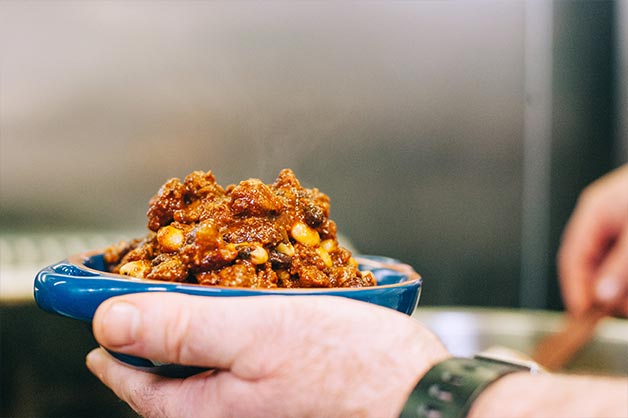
{"x":244,"y":252}
{"x":313,"y":215}
{"x":279,"y":260}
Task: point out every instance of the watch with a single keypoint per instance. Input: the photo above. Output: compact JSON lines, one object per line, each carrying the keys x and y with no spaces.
{"x":449,"y":388}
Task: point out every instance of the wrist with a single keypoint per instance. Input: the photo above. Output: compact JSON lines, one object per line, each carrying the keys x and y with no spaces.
{"x":552,"y":395}
{"x":502,"y":396}
{"x":450,"y":388}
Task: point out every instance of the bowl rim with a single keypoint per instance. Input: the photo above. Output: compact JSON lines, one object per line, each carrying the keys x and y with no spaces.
{"x":412,"y":277}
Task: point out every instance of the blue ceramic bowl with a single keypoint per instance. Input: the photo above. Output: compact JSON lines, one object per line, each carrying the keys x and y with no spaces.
{"x":77,"y":286}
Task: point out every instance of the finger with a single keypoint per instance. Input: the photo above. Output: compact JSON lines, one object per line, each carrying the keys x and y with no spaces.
{"x":138,"y":389}
{"x":584,"y":239}
{"x":611,"y":286}
{"x":206,"y":394}
{"x":192,"y":330}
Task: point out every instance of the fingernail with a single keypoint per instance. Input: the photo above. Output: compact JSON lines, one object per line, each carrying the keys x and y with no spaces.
{"x":120,"y":324}
{"x":607,"y":289}
{"x":93,"y":358}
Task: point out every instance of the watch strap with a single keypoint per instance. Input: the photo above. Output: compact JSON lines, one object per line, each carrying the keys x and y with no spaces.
{"x":449,"y":388}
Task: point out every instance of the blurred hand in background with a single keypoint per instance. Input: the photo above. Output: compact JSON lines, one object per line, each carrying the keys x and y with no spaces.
{"x":593,"y":257}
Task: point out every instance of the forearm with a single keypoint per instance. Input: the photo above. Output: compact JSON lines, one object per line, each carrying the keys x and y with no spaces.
{"x":522,"y":395}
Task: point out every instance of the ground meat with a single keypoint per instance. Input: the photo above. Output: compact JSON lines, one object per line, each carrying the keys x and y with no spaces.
{"x":246,"y":235}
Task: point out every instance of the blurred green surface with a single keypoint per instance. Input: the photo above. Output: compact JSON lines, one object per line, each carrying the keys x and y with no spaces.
{"x":43,"y":371}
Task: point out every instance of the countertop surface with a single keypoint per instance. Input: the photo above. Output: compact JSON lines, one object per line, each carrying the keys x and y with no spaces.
{"x":22,"y":255}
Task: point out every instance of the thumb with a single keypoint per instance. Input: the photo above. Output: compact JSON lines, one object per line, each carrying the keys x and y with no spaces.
{"x":611,"y":285}
{"x":183,"y":329}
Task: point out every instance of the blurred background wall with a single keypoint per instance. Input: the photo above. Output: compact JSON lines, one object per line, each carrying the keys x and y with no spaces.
{"x":455,"y":136}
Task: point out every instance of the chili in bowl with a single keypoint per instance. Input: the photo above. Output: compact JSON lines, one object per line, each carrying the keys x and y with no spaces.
{"x":250,"y":239}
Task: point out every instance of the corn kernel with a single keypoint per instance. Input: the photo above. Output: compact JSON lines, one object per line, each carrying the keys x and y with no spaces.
{"x":368,"y":275}
{"x":170,"y":239}
{"x":229,"y":252}
{"x":283,"y":275}
{"x":324,"y":255}
{"x":353,"y":262}
{"x":305,"y":234}
{"x":285,"y":248}
{"x":207,"y":234}
{"x":329,"y":245}
{"x":137,"y":269}
{"x":259,"y":255}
